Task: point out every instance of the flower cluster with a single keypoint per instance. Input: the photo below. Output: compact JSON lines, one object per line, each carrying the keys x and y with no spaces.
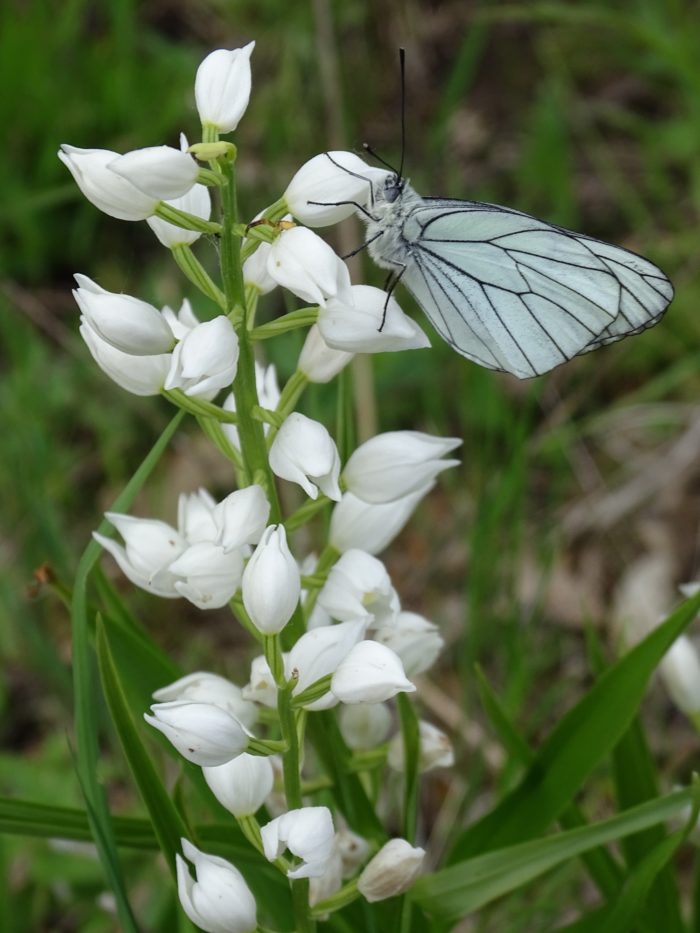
{"x":330,"y":628}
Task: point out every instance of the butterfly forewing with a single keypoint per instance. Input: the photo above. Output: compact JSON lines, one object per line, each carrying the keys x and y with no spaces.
{"x":512,"y":292}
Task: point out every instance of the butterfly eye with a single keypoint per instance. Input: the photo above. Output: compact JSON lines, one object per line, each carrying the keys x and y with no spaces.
{"x":393,"y":186}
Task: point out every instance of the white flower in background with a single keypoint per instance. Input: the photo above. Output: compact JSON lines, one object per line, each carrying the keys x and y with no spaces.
{"x":435,"y":749}
{"x":219,"y":901}
{"x":331,"y":177}
{"x":358,"y":589}
{"x":689,"y":589}
{"x":205,"y":687}
{"x":303,"y":452}
{"x":319,"y":362}
{"x":159,"y":171}
{"x":365,"y":725}
{"x":392,"y":870}
{"x":371,"y":673}
{"x":222,"y":87}
{"x":255,"y":270}
{"x":205,"y":360}
{"x":261,"y":688}
{"x":307,"y":833}
{"x":203,"y":733}
{"x":201,"y":559}
{"x":359,"y":524}
{"x":331,"y":881}
{"x":102,"y":187}
{"x":268,"y":397}
{"x":318,"y":653}
{"x":241,"y":517}
{"x":140,"y":375}
{"x":241,"y":785}
{"x":350,"y":321}
{"x":271,"y":582}
{"x":353,"y":850}
{"x":680,"y":672}
{"x":302,"y":262}
{"x":182,"y":321}
{"x":397,"y":463}
{"x":416,"y":641}
{"x":150,"y":547}
{"x":128,"y":324}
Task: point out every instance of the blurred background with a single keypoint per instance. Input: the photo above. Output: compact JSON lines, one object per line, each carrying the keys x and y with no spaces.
{"x":578,"y":501}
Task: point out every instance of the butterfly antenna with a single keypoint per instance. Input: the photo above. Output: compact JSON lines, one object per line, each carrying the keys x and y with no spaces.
{"x":402,"y":62}
{"x":368,"y":149}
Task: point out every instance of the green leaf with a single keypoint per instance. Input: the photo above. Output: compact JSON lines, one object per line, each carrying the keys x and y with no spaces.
{"x":167,"y":823}
{"x":84,"y":690}
{"x":579,"y":742}
{"x":461,"y":889}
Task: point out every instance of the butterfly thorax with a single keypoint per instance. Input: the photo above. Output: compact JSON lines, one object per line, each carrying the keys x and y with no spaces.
{"x":388,"y":239}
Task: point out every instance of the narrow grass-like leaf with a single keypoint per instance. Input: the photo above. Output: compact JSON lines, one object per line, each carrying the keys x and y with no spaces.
{"x":167,"y":823}
{"x":461,"y":889}
{"x":84,"y":693}
{"x":579,"y":742}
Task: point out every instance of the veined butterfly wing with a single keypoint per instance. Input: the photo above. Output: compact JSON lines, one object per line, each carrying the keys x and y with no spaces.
{"x":509,"y":291}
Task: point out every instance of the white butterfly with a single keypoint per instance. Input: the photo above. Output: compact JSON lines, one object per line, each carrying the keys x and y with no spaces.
{"x":506,"y":290}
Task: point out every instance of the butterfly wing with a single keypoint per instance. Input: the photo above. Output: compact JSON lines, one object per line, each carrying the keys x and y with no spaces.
{"x":518,"y":294}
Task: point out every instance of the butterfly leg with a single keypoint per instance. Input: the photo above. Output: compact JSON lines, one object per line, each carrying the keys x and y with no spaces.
{"x":359,"y":207}
{"x":390,"y":284}
{"x":364,"y":246}
{"x":354,"y":174}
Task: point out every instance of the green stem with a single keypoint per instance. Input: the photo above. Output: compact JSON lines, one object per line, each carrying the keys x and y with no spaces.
{"x":328,"y":557}
{"x":302,"y":317}
{"x":305,"y":512}
{"x":216,"y":435}
{"x":250,"y":430}
{"x":200,"y":407}
{"x":197,"y":274}
{"x":186,"y":221}
{"x":291,"y":393}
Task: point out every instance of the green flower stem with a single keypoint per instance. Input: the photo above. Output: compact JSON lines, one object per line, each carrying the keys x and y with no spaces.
{"x":212,"y":179}
{"x":265,"y":747}
{"x":306,"y":512}
{"x":302,"y":317}
{"x":251,"y":830}
{"x":274,"y":213}
{"x":174,"y":215}
{"x":216,"y":435}
{"x":250,"y":431}
{"x":313,"y":692}
{"x":238,"y":609}
{"x":268,"y":417}
{"x":337,"y":901}
{"x":197,"y":274}
{"x":198,"y":406}
{"x":291,"y":394}
{"x":328,"y":557}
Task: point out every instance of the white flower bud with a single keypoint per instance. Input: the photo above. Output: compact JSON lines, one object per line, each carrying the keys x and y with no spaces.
{"x":255,"y":270}
{"x":303,"y":452}
{"x":271,"y":582}
{"x":159,"y":171}
{"x":416,"y":641}
{"x":205,"y":687}
{"x":365,"y":725}
{"x":319,"y":362}
{"x":261,"y":687}
{"x":331,"y":178}
{"x":129,"y":324}
{"x":102,"y":187}
{"x":392,"y":871}
{"x":205,"y":360}
{"x":318,"y":653}
{"x":353,"y":848}
{"x":209,"y":576}
{"x":680,"y":671}
{"x":435,"y":749}
{"x":330,"y":881}
{"x":241,"y":785}
{"x":371,"y":673}
{"x":358,"y":588}
{"x":150,"y":548}
{"x":195,"y":516}
{"x":392,"y":465}
{"x":241,"y":517}
{"x":305,"y":264}
{"x":219,"y":901}
{"x":351,"y":320}
{"x":140,"y":375}
{"x":358,"y":524}
{"x":307,"y":833}
{"x":222,"y":87}
{"x":203,"y":733}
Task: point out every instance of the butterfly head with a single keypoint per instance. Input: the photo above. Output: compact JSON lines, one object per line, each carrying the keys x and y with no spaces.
{"x":392,"y":188}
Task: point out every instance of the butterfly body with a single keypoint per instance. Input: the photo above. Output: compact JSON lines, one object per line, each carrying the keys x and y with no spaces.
{"x":505,"y":289}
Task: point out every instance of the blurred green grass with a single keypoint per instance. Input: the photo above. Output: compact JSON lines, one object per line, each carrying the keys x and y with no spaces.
{"x":586,"y":114}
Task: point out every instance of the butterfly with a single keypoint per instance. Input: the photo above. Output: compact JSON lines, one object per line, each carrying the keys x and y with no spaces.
{"x":507,"y":290}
